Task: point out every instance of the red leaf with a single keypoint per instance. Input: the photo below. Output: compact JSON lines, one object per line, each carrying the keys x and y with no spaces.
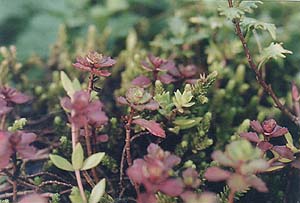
{"x":256,"y":126}
{"x":151,"y":126}
{"x":284,"y":152}
{"x":216,"y":174}
{"x":251,"y":136}
{"x":279,"y":131}
{"x":264,"y":145}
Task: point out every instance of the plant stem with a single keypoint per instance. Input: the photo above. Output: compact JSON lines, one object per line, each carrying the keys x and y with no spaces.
{"x":231,"y":196}
{"x":77,"y":172}
{"x":2,"y":122}
{"x":14,"y":183}
{"x":267,"y":88}
{"x":127,"y":139}
{"x":90,"y":151}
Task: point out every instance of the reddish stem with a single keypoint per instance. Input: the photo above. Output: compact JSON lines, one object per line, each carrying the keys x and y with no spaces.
{"x":127,"y":139}
{"x":2,"y":122}
{"x":90,"y":151}
{"x":231,"y":196}
{"x":267,"y":88}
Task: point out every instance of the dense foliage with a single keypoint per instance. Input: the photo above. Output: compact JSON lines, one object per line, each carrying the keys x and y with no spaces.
{"x":139,"y":101}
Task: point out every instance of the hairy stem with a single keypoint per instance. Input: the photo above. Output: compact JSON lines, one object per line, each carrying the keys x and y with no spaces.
{"x":267,"y":88}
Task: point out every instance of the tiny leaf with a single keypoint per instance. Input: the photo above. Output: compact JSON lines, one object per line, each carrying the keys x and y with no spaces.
{"x":61,"y":162}
{"x":97,"y":192}
{"x":92,"y":161}
{"x":77,"y":157}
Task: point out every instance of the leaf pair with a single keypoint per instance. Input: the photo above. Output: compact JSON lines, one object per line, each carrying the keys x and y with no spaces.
{"x":96,"y":194}
{"x":78,"y":162}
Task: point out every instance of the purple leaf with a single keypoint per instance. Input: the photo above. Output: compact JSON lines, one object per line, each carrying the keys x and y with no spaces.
{"x":166,"y":78}
{"x":216,"y":174}
{"x":284,"y":151}
{"x":151,"y":126}
{"x":256,"y":126}
{"x":264,"y":145}
{"x":251,"y":136}
{"x":279,"y":131}
{"x":146,"y":66}
{"x":152,"y":105}
{"x":141,"y":81}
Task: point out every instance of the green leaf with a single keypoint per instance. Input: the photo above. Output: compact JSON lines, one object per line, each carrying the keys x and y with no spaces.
{"x":76,"y":84}
{"x":275,"y":51}
{"x":253,"y":23}
{"x":185,"y":123}
{"x":231,"y":13}
{"x":75,"y":196}
{"x":77,"y":157}
{"x":61,"y":162}
{"x":92,"y":161}
{"x":248,"y":6}
{"x":183,"y":100}
{"x":67,"y":84}
{"x":97,"y":192}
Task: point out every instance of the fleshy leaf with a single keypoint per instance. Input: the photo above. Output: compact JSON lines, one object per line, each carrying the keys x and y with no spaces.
{"x":92,"y":161}
{"x":67,"y":84}
{"x":151,"y":126}
{"x":141,"y":81}
{"x":237,"y":182}
{"x":61,"y":162}
{"x":221,"y":158}
{"x":251,"y":136}
{"x":97,"y":192}
{"x":77,"y":157}
{"x":216,"y":174}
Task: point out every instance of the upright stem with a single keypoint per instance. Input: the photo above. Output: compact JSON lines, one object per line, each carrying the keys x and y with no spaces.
{"x":2,"y":122}
{"x":90,"y":151}
{"x":231,"y":196}
{"x":127,"y":139}
{"x":87,"y":136}
{"x":14,"y":183}
{"x":77,"y":172}
{"x":267,"y":88}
